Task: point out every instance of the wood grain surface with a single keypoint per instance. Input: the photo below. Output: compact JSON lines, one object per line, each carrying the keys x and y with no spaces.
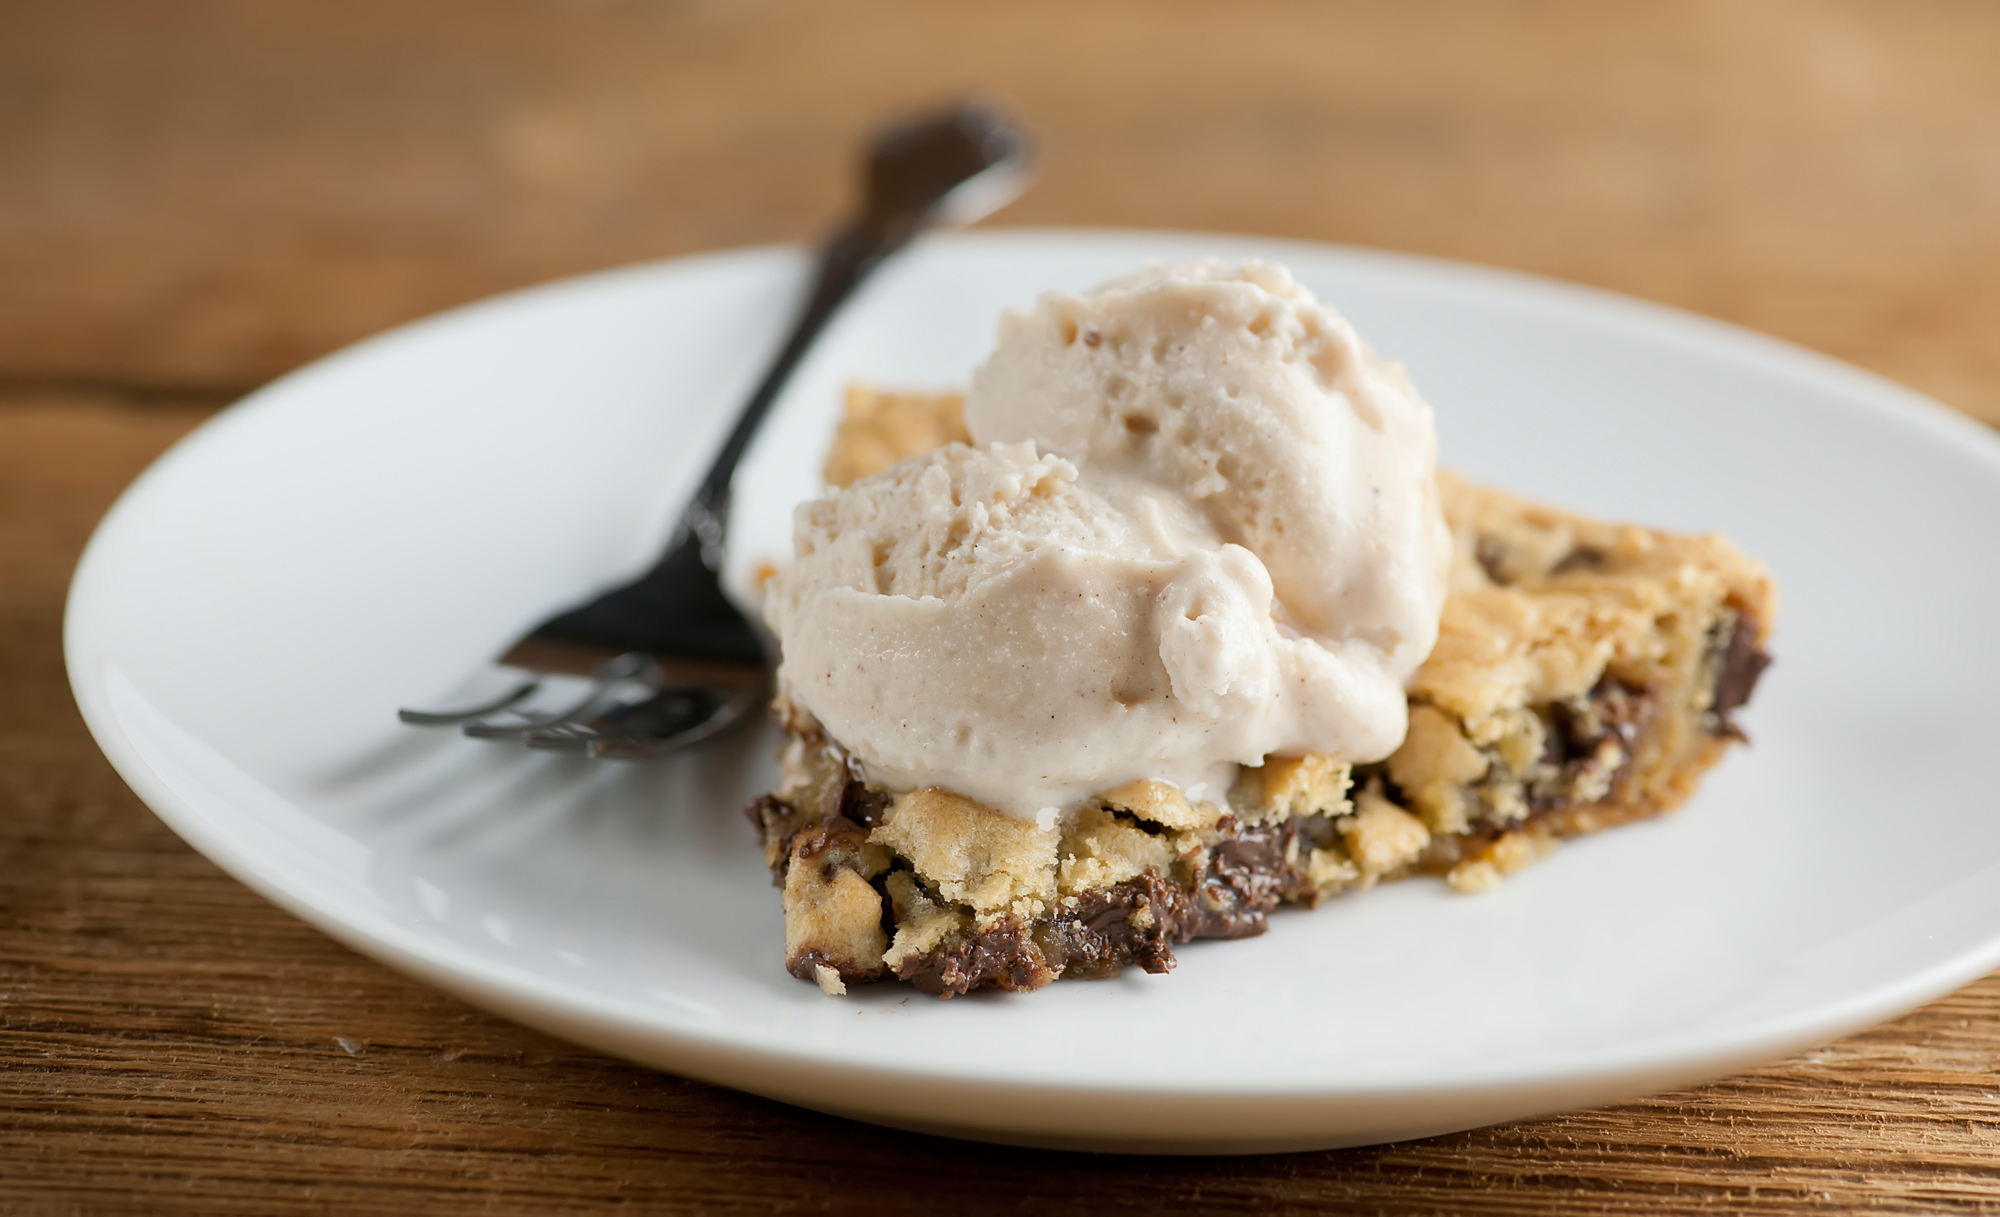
{"x":197,"y":196}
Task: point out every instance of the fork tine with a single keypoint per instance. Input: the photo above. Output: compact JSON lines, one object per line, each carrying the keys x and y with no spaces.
{"x":674,"y":718}
{"x":576,"y":710}
{"x":451,"y":718}
{"x":570,"y":737}
{"x":604,"y":723}
{"x":631,"y":666}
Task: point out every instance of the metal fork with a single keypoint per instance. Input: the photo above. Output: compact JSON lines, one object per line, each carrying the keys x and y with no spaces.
{"x":670,"y":660}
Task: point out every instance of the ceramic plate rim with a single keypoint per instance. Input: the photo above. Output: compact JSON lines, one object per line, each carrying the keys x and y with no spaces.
{"x":1678,"y":1055}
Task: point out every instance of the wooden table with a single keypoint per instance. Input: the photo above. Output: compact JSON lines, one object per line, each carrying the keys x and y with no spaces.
{"x":196,"y":197}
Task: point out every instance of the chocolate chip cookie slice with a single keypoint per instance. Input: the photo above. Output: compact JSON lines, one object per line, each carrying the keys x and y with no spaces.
{"x":1586,"y":675}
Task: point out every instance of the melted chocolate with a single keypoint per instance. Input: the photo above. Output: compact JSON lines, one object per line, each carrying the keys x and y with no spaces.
{"x":1003,"y":957}
{"x":1736,"y":673}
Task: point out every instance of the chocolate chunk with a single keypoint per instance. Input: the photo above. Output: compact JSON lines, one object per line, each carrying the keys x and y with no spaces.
{"x":1245,"y":878}
{"x":835,"y":842}
{"x":1583,"y":557}
{"x":777,"y":823}
{"x":1555,"y":743}
{"x":1254,"y":850}
{"x":1611,"y":710}
{"x":1574,"y":748}
{"x":1491,"y":554}
{"x":764,"y":813}
{"x":863,"y":805}
{"x":860,"y":802}
{"x":1096,"y":933}
{"x":1136,"y":921}
{"x":999,"y":958}
{"x":806,"y":965}
{"x":1736,"y":675}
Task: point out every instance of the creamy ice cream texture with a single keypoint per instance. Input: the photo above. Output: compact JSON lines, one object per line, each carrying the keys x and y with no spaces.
{"x":1198,"y":525}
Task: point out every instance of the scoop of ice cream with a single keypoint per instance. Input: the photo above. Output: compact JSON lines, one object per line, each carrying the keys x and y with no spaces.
{"x":986,"y":621}
{"x":1202,"y":528}
{"x":1264,"y":410}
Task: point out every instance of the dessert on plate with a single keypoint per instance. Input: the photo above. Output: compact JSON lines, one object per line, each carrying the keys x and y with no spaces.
{"x":1171,"y":620}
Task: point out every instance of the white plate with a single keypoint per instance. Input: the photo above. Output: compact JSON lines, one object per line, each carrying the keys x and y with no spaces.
{"x":359,"y":535}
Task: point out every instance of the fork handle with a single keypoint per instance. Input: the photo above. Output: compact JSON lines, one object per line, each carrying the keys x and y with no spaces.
{"x":845,"y":261}
{"x":915,"y":172}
